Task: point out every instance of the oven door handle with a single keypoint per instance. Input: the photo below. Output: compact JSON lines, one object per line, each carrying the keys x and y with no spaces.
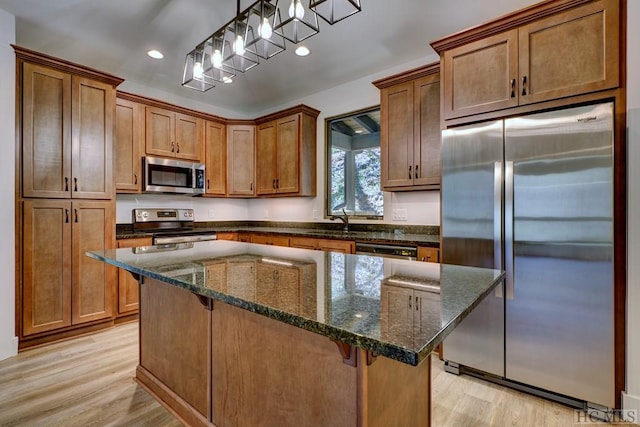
{"x":159,"y":240}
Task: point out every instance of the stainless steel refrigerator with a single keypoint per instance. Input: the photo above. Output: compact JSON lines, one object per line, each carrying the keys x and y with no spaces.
{"x":533,"y":195}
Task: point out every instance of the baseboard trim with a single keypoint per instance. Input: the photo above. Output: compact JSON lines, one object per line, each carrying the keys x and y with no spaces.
{"x":11,"y":350}
{"x":631,"y":403}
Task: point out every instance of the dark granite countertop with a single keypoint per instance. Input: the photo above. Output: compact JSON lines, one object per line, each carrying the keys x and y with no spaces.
{"x":418,"y":236}
{"x":350,"y":298}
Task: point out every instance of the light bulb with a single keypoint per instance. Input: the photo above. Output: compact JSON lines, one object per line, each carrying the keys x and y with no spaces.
{"x":264,"y":29}
{"x":299,"y":9}
{"x":198,"y":71}
{"x":238,"y":46}
{"x":217,"y":58}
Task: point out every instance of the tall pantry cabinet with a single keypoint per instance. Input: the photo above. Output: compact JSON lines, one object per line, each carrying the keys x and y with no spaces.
{"x":65,"y":200}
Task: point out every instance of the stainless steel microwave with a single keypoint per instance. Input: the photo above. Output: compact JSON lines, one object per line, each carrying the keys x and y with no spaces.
{"x":172,"y":176}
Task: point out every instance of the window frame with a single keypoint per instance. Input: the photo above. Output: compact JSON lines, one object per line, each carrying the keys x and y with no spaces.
{"x":327,"y":162}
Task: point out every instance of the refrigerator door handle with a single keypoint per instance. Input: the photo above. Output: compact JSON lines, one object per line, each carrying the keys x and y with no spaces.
{"x":497,"y":221}
{"x":508,"y":229}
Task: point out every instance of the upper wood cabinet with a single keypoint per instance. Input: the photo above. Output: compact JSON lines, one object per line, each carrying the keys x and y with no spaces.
{"x":128,"y":142}
{"x":552,"y":50}
{"x":172,"y":134}
{"x":215,"y":154}
{"x":67,"y":130}
{"x":286,"y":153}
{"x":241,"y":146}
{"x":410,"y":130}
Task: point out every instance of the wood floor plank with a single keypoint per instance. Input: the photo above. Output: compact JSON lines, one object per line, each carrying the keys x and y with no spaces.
{"x":88,"y":381}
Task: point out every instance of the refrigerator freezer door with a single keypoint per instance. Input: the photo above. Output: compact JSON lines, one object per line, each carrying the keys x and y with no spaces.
{"x":471,"y":229}
{"x":559,"y":324}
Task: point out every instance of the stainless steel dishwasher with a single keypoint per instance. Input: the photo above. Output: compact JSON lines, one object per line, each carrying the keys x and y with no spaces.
{"x":389,"y":251}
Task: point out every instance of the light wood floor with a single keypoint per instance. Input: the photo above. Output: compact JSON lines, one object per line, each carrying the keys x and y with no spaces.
{"x":87,"y":381}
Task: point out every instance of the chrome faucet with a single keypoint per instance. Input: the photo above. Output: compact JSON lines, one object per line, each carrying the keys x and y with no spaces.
{"x":344,"y":218}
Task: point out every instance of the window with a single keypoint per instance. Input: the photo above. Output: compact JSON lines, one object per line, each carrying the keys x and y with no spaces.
{"x":353,"y":164}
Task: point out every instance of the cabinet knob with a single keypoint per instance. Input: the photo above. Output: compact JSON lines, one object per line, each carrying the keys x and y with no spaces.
{"x":75,"y":184}
{"x":273,"y":184}
{"x":513,"y":88}
{"x":410,"y":299}
{"x":66,"y":183}
{"x":410,"y":172}
{"x":75,"y":212}
{"x":178,"y":147}
{"x":66,"y":213}
{"x":524,"y":85}
{"x":208,"y":185}
{"x":173,"y":147}
{"x":417,"y":171}
{"x":277,"y":183}
{"x":135,"y":178}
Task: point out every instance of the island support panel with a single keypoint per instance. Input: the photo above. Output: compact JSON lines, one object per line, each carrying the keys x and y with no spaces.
{"x":266,"y":372}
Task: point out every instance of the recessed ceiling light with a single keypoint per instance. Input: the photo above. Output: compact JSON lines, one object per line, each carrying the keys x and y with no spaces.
{"x":302,"y":51}
{"x":226,"y":79}
{"x":155,"y":54}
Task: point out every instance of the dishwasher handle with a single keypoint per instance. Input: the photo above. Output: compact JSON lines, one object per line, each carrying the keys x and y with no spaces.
{"x":390,"y":251}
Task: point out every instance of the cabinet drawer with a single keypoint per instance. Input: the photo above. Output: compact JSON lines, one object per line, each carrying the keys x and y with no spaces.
{"x":266,"y":239}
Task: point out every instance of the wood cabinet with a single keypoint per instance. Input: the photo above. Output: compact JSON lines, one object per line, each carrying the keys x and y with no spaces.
{"x":269,"y":239}
{"x":67,"y":127}
{"x":175,"y":348}
{"x":410,"y":130}
{"x":128,"y":141}
{"x":215,"y":158}
{"x":286,"y":153}
{"x":128,"y":292}
{"x":427,"y":254}
{"x":172,"y":134}
{"x":227,"y":236}
{"x":546,"y":52}
{"x":344,"y":246}
{"x":241,"y":166}
{"x":60,"y":285}
{"x":277,"y":156}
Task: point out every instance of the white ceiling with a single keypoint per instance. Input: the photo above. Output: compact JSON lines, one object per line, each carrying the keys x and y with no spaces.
{"x":114,"y":36}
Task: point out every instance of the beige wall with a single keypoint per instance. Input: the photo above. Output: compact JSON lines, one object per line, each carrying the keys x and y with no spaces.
{"x":8,"y":341}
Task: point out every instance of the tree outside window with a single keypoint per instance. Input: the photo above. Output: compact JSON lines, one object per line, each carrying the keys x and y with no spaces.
{"x":353,"y":164}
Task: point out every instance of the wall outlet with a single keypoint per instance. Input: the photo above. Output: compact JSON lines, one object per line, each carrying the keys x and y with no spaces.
{"x":314,"y":214}
{"x":399,"y":215}
{"x":211,"y":213}
{"x":266,"y":214}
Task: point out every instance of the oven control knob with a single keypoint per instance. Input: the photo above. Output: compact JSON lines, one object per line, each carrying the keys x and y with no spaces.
{"x":145,"y":215}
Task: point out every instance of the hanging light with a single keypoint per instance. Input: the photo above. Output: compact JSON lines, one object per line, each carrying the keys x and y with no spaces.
{"x":332,"y":11}
{"x":194,"y":75}
{"x":258,"y":32}
{"x":299,"y":24}
{"x":266,"y":44}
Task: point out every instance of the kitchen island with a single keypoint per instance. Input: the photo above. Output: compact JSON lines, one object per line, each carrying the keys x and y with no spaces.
{"x":236,"y":334}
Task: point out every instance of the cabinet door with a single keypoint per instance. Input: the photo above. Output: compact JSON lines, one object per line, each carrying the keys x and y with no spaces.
{"x":426,"y":254}
{"x":396,"y":314}
{"x":216,"y":276}
{"x":481,"y":76}
{"x":266,"y":158}
{"x":93,"y":281}
{"x":46,"y":266}
{"x":189,"y":137}
{"x":427,"y":312}
{"x":288,"y":155}
{"x":396,"y":135}
{"x":128,"y":292}
{"x":304,"y":243}
{"x":427,"y":142}
{"x":240,"y":160}
{"x":570,"y":53}
{"x":128,"y":141}
{"x":93,"y":107}
{"x":227,"y":236}
{"x":266,"y":239}
{"x":159,"y":132}
{"x":46,"y":132}
{"x":343,"y":246}
{"x":215,"y":158}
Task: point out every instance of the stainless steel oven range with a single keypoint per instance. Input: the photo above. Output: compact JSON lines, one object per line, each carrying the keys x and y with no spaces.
{"x":170,"y":226}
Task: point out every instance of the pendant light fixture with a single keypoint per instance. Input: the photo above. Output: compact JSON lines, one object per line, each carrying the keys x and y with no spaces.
{"x":332,"y":11}
{"x":258,"y":32}
{"x":294,"y":21}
